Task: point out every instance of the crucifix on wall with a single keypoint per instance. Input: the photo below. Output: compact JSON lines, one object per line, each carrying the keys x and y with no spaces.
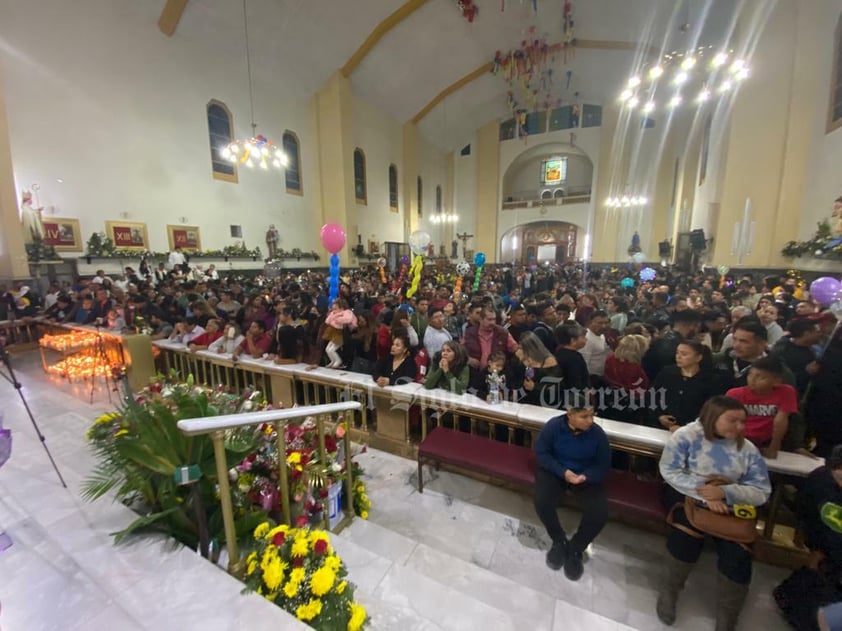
{"x":464,"y":239}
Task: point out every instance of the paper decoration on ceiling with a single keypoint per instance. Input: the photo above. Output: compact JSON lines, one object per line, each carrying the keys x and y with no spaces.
{"x":528,"y":71}
{"x":468,"y":9}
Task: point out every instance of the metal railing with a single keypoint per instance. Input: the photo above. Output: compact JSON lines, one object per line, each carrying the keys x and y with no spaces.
{"x":216,"y":426}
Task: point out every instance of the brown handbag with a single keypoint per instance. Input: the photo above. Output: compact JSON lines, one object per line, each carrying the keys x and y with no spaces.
{"x":741,"y":530}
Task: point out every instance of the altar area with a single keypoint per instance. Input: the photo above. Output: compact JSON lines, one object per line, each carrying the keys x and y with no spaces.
{"x":462,"y":555}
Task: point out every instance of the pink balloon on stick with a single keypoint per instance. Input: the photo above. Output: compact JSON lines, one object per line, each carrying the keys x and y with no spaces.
{"x":333,"y":237}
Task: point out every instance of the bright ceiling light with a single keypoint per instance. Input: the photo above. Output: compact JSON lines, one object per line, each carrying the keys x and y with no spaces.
{"x":655,"y":72}
{"x":741,"y":74}
{"x":719,"y":60}
{"x":688,"y":63}
{"x":625,"y":95}
{"x":634,"y":82}
{"x":680,"y":78}
{"x":726,"y":85}
{"x":704,"y":95}
{"x":675,"y":101}
{"x":649,"y":107}
{"x":738,"y":65}
{"x":632,"y":102}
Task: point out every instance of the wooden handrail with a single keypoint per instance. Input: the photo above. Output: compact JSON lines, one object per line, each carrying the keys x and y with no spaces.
{"x":210,"y":424}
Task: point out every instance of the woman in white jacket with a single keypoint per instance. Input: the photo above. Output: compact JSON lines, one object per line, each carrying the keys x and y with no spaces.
{"x":710,"y":461}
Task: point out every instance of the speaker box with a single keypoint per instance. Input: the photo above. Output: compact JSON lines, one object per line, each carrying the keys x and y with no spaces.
{"x":664,"y":249}
{"x":359,"y":250}
{"x":697,"y":239}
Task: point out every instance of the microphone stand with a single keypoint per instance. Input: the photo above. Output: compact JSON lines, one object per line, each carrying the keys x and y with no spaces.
{"x":12,"y":379}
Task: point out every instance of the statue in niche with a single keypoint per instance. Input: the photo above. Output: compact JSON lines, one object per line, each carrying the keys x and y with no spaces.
{"x":272,"y":238}
{"x":33,"y":226}
{"x":634,"y":248}
{"x":836,"y":217}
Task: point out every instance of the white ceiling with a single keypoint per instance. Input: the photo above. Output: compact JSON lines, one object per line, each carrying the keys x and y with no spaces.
{"x":306,"y":41}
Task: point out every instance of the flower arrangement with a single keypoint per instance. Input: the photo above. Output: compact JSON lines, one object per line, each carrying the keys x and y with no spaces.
{"x":310,"y":475}
{"x":823,"y":244}
{"x":361,"y":502}
{"x":138,"y":449}
{"x":298,"y":570}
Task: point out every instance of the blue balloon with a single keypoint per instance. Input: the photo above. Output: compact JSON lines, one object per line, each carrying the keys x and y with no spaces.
{"x":479,"y":259}
{"x":627,"y":282}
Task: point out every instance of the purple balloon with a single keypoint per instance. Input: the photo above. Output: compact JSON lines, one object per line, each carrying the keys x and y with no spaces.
{"x":824,"y":289}
{"x":405,"y":260}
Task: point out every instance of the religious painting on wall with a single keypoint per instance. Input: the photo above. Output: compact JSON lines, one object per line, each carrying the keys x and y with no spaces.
{"x":554,"y":171}
{"x":62,"y":234}
{"x":127,"y":235}
{"x":187,"y":237}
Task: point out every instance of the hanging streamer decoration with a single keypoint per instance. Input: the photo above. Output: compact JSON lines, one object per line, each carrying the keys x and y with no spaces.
{"x":479,"y":261}
{"x":528,"y":71}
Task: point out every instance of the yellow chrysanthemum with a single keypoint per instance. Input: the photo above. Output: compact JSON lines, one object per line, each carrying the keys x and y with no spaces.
{"x":261,"y":530}
{"x":358,"y":617}
{"x":322,"y":580}
{"x":341,"y":587}
{"x":309,"y":611}
{"x":364,"y":514}
{"x":269,"y":555}
{"x":251,"y":563}
{"x":300,"y":548}
{"x":291,"y":589}
{"x":294,"y":458}
{"x":273,"y":574}
{"x":297,"y":574}
{"x":332,"y":563}
{"x":271,"y":534}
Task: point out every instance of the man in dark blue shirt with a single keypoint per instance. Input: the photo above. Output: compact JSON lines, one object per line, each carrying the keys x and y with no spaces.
{"x":573,"y":455}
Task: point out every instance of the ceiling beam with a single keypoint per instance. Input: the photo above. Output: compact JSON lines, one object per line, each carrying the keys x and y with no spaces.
{"x":453,"y":87}
{"x":592,"y":44}
{"x":403,"y":12}
{"x":170,"y":16}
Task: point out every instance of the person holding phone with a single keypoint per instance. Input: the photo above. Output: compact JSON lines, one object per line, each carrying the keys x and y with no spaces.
{"x":685,"y":386}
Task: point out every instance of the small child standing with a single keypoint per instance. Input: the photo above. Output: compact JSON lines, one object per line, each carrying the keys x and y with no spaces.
{"x":768,"y":403}
{"x":338,"y":319}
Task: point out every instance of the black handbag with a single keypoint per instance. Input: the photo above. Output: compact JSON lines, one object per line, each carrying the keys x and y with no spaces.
{"x":800,"y":596}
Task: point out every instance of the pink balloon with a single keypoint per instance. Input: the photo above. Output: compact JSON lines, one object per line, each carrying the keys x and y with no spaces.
{"x":333,"y":237}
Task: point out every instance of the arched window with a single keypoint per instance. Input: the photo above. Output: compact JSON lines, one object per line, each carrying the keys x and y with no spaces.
{"x":393,"y":188}
{"x":438,"y":199}
{"x":292,"y":171}
{"x":220,"y":126}
{"x":834,"y":114}
{"x":420,"y":197}
{"x":359,"y":177}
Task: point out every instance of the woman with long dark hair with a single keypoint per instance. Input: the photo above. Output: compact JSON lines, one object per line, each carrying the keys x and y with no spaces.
{"x":452,"y":372}
{"x":399,"y":367}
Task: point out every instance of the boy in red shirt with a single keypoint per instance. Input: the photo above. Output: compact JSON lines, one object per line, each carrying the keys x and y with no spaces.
{"x":768,"y":403}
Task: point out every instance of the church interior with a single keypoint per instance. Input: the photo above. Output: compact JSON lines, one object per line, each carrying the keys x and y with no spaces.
{"x":695,"y":135}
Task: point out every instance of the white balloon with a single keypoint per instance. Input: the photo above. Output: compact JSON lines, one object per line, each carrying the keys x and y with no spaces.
{"x":463,"y":268}
{"x":836,"y":309}
{"x":638,"y":257}
{"x":418,"y":242}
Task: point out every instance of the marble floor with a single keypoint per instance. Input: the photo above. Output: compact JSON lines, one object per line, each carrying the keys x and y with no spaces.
{"x":463,"y":555}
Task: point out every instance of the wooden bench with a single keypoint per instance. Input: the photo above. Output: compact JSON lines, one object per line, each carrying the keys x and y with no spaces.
{"x":627,"y":495}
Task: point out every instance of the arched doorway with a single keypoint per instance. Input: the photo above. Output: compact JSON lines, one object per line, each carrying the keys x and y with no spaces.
{"x":540,"y":242}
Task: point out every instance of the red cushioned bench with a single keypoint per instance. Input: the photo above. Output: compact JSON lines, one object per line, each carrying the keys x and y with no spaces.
{"x":627,"y":495}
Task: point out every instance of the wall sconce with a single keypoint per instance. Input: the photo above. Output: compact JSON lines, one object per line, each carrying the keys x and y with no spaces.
{"x":183,"y":219}
{"x":124,"y":215}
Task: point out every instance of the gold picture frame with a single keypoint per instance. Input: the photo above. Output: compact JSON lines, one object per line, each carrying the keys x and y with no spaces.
{"x":187,"y":237}
{"x":63,"y":234}
{"x":127,"y":235}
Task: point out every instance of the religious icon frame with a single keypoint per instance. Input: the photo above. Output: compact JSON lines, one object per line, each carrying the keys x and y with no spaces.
{"x":63,"y":234}
{"x":137,"y":239}
{"x":188,"y":237}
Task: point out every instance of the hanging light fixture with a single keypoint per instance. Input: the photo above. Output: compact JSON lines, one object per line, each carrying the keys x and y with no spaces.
{"x":626,"y":201}
{"x":258,"y":150}
{"x":678,"y":78}
{"x":444,"y":218}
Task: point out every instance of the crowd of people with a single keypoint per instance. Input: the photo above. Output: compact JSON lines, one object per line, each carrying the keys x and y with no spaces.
{"x":736,"y":368}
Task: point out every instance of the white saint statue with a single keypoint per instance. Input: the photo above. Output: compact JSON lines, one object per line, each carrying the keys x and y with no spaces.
{"x":33,"y":227}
